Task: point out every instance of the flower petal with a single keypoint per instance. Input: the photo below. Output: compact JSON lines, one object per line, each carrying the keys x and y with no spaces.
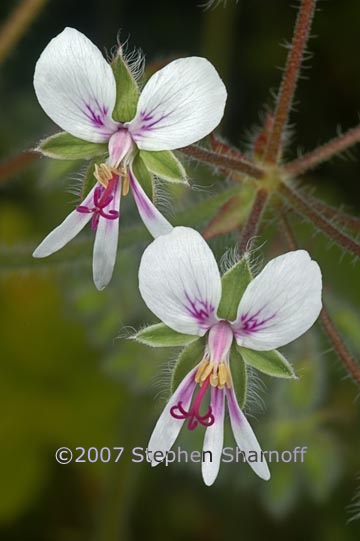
{"x":280,"y":304}
{"x":67,"y":230}
{"x":179,"y":105}
{"x":106,"y":242}
{"x":214,"y":438}
{"x":245,"y":437}
{"x":75,"y":86}
{"x":179,"y":281}
{"x":167,"y":428}
{"x":153,"y":220}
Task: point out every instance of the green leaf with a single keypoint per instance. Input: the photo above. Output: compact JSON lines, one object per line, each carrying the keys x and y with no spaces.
{"x":190,"y":356}
{"x":232,"y":215}
{"x":127,"y":91}
{"x":63,"y":146}
{"x":234,"y":282}
{"x":164,"y":164}
{"x":160,"y":335}
{"x":269,"y":362}
{"x":239,"y":375}
{"x":143,"y":176}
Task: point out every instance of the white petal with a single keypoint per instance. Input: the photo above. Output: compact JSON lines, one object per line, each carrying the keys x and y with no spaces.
{"x":179,"y":281}
{"x":66,"y":231}
{"x":106,"y":242}
{"x":75,"y":86}
{"x":153,"y":220}
{"x":281,"y":303}
{"x":214,"y":438}
{"x":179,"y":105}
{"x":245,"y":438}
{"x":167,"y":428}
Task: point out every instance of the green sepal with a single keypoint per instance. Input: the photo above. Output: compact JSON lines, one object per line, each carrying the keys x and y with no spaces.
{"x":239,"y":375}
{"x":160,"y":335}
{"x":143,"y":176}
{"x":164,"y":164}
{"x":190,"y":356}
{"x":127,"y":91}
{"x":63,"y":146}
{"x":234,"y":282}
{"x":271,"y":363}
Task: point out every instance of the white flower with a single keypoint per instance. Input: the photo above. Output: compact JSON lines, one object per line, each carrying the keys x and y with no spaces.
{"x":179,"y":105}
{"x":180,"y":282}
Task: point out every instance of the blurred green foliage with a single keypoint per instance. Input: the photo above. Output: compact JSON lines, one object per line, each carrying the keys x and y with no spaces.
{"x":68,"y":375}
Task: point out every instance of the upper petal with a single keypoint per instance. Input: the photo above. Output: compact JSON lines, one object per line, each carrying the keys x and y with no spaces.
{"x":106,"y":242}
{"x":167,"y":428}
{"x":75,"y":86}
{"x":67,"y":230}
{"x":180,"y":104}
{"x":281,"y":303}
{"x":179,"y":281}
{"x":214,"y":438}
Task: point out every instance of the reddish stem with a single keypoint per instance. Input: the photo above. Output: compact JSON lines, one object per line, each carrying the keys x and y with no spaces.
{"x":13,"y":165}
{"x":323,"y":153}
{"x":290,"y":78}
{"x":225,"y":162}
{"x":254,"y":219}
{"x":302,"y":206}
{"x":338,"y":344}
{"x":342,"y":217}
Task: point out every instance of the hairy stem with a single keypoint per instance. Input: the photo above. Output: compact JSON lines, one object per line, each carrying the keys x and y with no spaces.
{"x":17,"y":24}
{"x":339,"y":346}
{"x":331,"y":331}
{"x":302,"y":206}
{"x":225,"y":162}
{"x":254,"y":219}
{"x":323,"y":153}
{"x":289,"y":81}
{"x":13,"y":165}
{"x":343,"y":218}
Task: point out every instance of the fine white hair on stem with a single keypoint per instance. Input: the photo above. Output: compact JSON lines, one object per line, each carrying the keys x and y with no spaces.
{"x":354,"y":508}
{"x":161,"y":381}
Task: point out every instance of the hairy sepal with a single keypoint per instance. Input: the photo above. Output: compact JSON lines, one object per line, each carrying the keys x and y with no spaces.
{"x":272,"y":363}
{"x":239,"y":375}
{"x":234,"y":282}
{"x":190,"y":356}
{"x":164,"y":164}
{"x":127,"y":91}
{"x":160,"y":335}
{"x":63,"y":146}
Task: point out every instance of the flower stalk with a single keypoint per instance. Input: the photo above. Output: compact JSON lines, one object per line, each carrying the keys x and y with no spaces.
{"x":254,"y":219}
{"x":323,"y":153}
{"x":302,"y":206}
{"x":291,"y":76}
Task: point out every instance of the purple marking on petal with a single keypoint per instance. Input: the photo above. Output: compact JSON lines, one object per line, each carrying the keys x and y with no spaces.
{"x":147,"y":122}
{"x":249,"y":324}
{"x":234,"y":410}
{"x":199,"y":309}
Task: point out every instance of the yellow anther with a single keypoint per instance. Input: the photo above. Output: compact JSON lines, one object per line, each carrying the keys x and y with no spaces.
{"x":228,"y":378}
{"x":222,"y":374}
{"x":200,"y":370}
{"x":103,"y":173}
{"x":214,"y":380}
{"x":207,"y":371}
{"x":126,"y":184}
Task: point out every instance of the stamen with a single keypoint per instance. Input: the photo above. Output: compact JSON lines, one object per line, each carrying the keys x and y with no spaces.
{"x":126,"y":184}
{"x":207,"y":371}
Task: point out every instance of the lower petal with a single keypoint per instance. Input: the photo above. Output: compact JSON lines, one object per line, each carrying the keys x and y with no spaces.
{"x":245,"y":438}
{"x":153,"y":220}
{"x":168,"y":428}
{"x":66,"y":231}
{"x":214,"y":438}
{"x":105,"y":245}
